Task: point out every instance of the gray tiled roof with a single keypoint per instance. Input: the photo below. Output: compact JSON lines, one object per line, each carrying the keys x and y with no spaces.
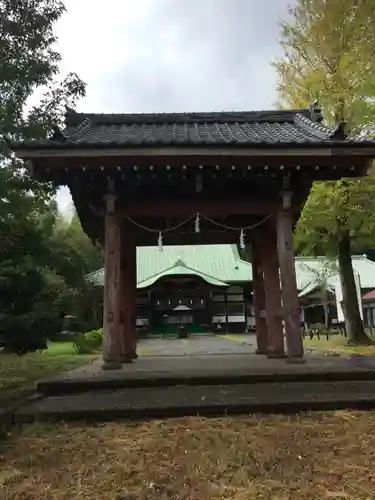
{"x":254,"y":128}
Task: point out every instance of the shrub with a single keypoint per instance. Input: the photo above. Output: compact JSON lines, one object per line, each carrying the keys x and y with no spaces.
{"x":18,"y":336}
{"x":22,"y":344}
{"x":81,"y":345}
{"x":89,"y":342}
{"x":95,"y":336}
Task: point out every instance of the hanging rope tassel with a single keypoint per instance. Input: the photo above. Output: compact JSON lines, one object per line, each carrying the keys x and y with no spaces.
{"x":160,"y":242}
{"x":242,"y":240}
{"x":197,"y":224}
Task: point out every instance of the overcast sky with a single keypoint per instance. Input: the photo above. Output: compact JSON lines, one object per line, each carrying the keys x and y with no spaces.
{"x":171,"y":55}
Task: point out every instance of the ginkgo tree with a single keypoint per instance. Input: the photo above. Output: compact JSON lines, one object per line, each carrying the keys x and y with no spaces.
{"x":329,"y":56}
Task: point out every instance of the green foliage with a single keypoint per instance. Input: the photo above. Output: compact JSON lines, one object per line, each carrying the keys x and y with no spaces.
{"x":19,"y":374}
{"x":328,"y":54}
{"x":89,"y":342}
{"x":335,"y":207}
{"x":29,"y":61}
{"x":27,"y":55}
{"x":43,"y":258}
{"x":25,"y":342}
{"x":29,"y":64}
{"x":42,"y":276}
{"x":77,"y":258}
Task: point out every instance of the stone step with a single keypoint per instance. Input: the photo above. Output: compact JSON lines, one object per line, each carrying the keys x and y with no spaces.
{"x":214,"y":370}
{"x":161,"y":402}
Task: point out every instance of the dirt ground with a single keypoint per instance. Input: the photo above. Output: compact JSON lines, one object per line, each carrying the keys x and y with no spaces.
{"x":316,"y":456}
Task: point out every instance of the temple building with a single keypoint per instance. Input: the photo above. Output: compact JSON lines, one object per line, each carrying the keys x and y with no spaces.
{"x":209,"y":288}
{"x":138,"y":180}
{"x":205,"y":288}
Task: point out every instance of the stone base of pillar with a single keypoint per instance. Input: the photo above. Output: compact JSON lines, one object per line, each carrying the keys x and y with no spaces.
{"x":295,"y":360}
{"x":276,"y":355}
{"x":111,"y":365}
{"x":261,"y":351}
{"x":130,"y":353}
{"x":127,"y":359}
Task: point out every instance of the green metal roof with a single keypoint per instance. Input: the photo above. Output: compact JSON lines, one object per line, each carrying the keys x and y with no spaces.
{"x":311,"y":287}
{"x":181,"y":269}
{"x":221,"y":264}
{"x":307,"y":269}
{"x":216,"y":264}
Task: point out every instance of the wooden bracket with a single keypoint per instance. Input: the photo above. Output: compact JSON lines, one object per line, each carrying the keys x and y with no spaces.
{"x":286,"y":182}
{"x":287,"y":200}
{"x":110,"y":197}
{"x":111,"y":184}
{"x":111,"y":202}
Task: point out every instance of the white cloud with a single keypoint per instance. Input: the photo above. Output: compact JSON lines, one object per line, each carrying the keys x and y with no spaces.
{"x":171,"y":55}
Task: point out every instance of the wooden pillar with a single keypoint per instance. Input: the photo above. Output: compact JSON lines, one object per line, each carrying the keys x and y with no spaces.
{"x":370,"y":321}
{"x":226,"y":312}
{"x":289,"y":291}
{"x":128,"y":272}
{"x":270,"y":265}
{"x":151,"y":311}
{"x":112,"y":341}
{"x":259,"y":297}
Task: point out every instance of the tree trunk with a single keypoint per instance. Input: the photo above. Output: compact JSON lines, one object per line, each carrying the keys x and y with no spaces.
{"x":326,"y":314}
{"x":353,"y":321}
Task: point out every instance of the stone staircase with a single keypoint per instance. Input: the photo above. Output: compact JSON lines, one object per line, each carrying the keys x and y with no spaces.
{"x":180,"y":387}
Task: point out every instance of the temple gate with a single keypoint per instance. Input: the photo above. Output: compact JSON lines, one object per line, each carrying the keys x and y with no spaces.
{"x":197,"y":178}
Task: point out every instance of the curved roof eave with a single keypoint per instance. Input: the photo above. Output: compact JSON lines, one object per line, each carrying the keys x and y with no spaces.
{"x":180,"y":270}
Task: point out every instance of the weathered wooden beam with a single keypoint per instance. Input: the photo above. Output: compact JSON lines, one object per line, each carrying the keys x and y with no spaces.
{"x":155,"y":153}
{"x":112,"y":342}
{"x":181,"y":208}
{"x":128,"y":272}
{"x":259,"y":296}
{"x":289,"y":291}
{"x":274,"y":315}
{"x":175,"y":238}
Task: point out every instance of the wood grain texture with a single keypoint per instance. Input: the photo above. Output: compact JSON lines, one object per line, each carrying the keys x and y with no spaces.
{"x":289,"y":291}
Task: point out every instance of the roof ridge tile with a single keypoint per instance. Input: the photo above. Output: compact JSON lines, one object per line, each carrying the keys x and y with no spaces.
{"x":78,"y":131}
{"x":273,"y":128}
{"x":284,"y":115}
{"x":318,"y":129}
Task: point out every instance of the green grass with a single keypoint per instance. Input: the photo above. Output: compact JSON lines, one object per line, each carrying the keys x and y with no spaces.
{"x":18,"y":374}
{"x":337,"y":344}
